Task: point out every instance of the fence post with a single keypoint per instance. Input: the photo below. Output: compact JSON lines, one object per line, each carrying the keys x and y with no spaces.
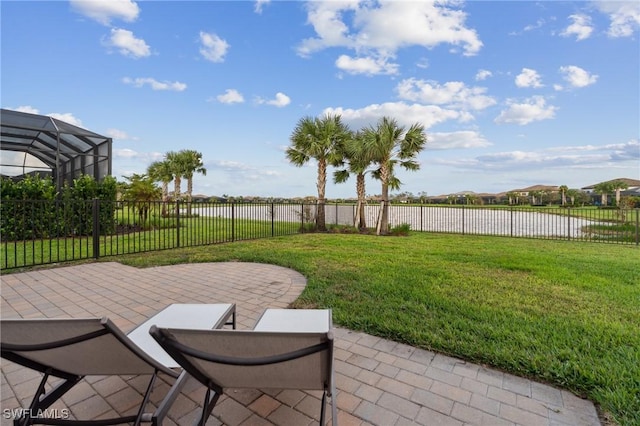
{"x":96,"y":227}
{"x":569,"y":223}
{"x":233,"y":222}
{"x":511,"y":220}
{"x":273,"y":219}
{"x":637,"y":226}
{"x":463,"y":219}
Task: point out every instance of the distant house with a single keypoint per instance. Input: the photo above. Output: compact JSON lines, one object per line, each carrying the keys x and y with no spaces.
{"x":633,"y":189}
{"x":537,"y":194}
{"x":633,"y":186}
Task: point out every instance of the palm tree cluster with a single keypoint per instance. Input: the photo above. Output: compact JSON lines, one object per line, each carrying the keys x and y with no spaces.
{"x":377,"y":150}
{"x":605,"y":188}
{"x":174,"y":167}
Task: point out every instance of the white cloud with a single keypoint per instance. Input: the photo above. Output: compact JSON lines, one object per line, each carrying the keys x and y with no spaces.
{"x":453,"y":93}
{"x":103,"y":11}
{"x":119,"y":135}
{"x":257,"y":8}
{"x":378,"y":29}
{"x":573,"y":157}
{"x":67,"y":117}
{"x":175,"y":86}
{"x":26,"y":108}
{"x":406,"y":114}
{"x":281,"y":100}
{"x":213,"y":47}
{"x":242,"y":171}
{"x":577,"y":77}
{"x":127,"y":44}
{"x":483,"y":75}
{"x":466,"y":139}
{"x":125,"y":153}
{"x":145,"y":157}
{"x":539,"y":24}
{"x":230,"y":96}
{"x":533,"y":109}
{"x":624,"y":16}
{"x":528,"y":78}
{"x":629,"y":150}
{"x":366,"y":65}
{"x":423,"y":63}
{"x":581,"y":27}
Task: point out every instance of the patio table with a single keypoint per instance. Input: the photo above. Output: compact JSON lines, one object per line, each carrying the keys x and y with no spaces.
{"x":182,"y":315}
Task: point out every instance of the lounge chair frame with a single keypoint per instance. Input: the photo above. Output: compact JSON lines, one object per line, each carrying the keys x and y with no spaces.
{"x":22,"y":354}
{"x":185,"y":356}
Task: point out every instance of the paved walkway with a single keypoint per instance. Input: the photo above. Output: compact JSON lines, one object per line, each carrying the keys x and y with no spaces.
{"x":379,"y":382}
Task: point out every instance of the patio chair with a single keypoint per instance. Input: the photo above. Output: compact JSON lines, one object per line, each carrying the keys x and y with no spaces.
{"x":250,"y":359}
{"x":71,"y":349}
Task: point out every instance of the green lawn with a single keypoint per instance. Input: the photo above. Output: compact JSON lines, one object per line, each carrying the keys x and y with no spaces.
{"x":559,"y":312}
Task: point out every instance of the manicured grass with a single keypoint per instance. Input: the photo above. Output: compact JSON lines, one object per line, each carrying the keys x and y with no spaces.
{"x":556,"y":311}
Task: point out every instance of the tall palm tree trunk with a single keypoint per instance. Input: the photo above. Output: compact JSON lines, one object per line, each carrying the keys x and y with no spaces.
{"x":176,"y":193}
{"x":165,"y":197}
{"x":360,"y":220}
{"x":189,"y":194}
{"x":383,"y":226}
{"x":321,"y":184}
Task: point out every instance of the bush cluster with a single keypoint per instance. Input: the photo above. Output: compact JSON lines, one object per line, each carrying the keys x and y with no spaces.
{"x":33,"y":208}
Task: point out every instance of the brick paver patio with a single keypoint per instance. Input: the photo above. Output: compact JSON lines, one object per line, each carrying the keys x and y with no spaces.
{"x":379,"y":382}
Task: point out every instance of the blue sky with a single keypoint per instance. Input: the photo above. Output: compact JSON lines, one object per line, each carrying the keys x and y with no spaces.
{"x":511,"y":93}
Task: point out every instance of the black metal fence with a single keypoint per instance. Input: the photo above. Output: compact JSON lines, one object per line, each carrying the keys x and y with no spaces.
{"x":44,"y":232}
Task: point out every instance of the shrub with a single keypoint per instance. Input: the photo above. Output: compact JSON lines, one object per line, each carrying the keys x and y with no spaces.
{"x":32,"y":207}
{"x":400,"y":230}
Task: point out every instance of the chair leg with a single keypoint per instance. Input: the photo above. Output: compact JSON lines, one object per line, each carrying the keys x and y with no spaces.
{"x":145,"y":399}
{"x":322,"y":407}
{"x":163,"y":409}
{"x":207,"y":406}
{"x":42,"y":400}
{"x":334,"y":408}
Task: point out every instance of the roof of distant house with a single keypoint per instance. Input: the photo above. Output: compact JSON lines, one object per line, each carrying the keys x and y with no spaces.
{"x":537,"y":188}
{"x":631,"y":183}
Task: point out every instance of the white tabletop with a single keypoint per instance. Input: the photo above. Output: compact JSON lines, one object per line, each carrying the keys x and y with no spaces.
{"x":296,"y":320}
{"x":191,"y":316}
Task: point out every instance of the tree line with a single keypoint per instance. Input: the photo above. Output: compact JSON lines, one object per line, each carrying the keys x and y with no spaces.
{"x":377,"y":149}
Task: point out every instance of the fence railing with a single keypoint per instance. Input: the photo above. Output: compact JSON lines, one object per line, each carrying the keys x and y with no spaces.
{"x":44,"y":232}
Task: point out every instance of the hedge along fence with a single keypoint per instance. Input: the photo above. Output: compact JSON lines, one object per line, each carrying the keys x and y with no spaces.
{"x":55,"y":215}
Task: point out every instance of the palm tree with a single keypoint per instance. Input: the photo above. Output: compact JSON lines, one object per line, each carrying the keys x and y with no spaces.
{"x":358,"y":161}
{"x":191,"y":163}
{"x":389,"y":145}
{"x":618,"y":185}
{"x":175,"y":161}
{"x":572,"y":194}
{"x":160,"y":171}
{"x":320,"y":139}
{"x":563,"y":192}
{"x":536,"y":197}
{"x":604,"y":188}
